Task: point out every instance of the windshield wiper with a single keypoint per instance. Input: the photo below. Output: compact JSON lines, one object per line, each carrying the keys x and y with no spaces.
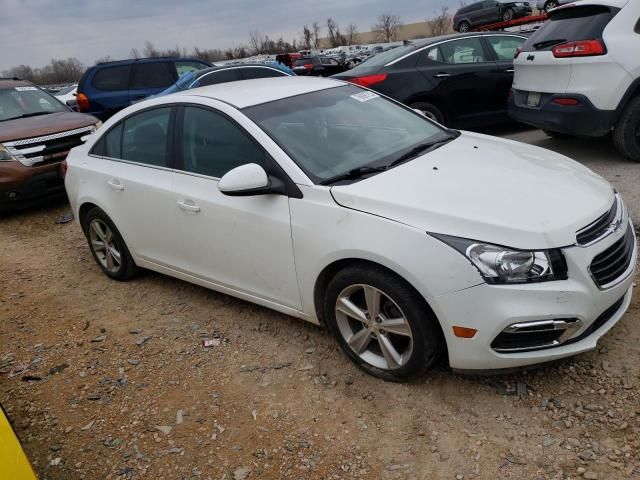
{"x":26,"y":115}
{"x":354,"y":174}
{"x":548,"y":43}
{"x":423,"y":148}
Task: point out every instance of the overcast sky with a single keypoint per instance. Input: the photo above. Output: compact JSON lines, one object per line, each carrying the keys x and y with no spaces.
{"x":34,"y":31}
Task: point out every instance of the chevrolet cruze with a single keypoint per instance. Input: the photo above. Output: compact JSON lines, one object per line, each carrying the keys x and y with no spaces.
{"x":336,"y":205}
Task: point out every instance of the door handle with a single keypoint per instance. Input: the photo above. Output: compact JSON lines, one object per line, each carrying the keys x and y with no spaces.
{"x":509,"y":70}
{"x":115,"y":185}
{"x":442,"y":75}
{"x":188,"y":206}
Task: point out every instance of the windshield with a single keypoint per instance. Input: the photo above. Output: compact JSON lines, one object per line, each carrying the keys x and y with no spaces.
{"x":183,"y":83}
{"x":27,"y":101}
{"x":331,"y":132}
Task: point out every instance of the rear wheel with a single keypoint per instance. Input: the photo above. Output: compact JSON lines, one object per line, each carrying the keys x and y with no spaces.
{"x":507,"y":15}
{"x":381,"y":323}
{"x":107,"y":246}
{"x":550,"y":5}
{"x":626,"y":133}
{"x":463,"y":27}
{"x":430,"y":111}
{"x":556,"y":135}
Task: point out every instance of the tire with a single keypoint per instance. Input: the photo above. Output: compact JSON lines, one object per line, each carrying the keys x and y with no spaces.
{"x":416,"y":342}
{"x":626,"y":133}
{"x":100,"y":230}
{"x":463,"y":27}
{"x":430,"y":111}
{"x":550,"y":5}
{"x":507,"y":15}
{"x":556,"y":135}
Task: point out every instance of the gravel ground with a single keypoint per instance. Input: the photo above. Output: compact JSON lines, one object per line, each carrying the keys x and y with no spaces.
{"x":106,"y":380}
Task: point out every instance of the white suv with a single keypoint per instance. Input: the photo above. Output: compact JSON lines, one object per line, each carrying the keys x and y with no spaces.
{"x":579,"y":74}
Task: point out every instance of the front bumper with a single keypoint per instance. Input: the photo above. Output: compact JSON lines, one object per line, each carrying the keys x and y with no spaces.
{"x":490,"y":309}
{"x":582,"y":120}
{"x":21,"y":186}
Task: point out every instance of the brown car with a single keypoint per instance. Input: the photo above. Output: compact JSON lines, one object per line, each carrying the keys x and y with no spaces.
{"x":36,"y":133}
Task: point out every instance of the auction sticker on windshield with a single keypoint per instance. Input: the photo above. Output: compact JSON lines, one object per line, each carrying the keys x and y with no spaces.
{"x":365,"y":96}
{"x":26,"y":89}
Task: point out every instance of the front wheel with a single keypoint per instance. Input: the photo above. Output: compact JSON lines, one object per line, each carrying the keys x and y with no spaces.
{"x":626,"y":134}
{"x":107,"y":246}
{"x":507,"y":15}
{"x":382,"y":324}
{"x":550,"y":5}
{"x":463,"y":27}
{"x":430,"y":111}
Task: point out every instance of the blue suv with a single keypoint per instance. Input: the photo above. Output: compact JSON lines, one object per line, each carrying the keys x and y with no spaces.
{"x":107,"y":88}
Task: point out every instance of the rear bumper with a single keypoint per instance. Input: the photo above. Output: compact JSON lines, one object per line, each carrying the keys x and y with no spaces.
{"x":583,"y":119}
{"x":21,"y":186}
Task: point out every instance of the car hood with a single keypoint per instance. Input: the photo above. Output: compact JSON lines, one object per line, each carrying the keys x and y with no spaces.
{"x":41,"y":125}
{"x":488,"y":189}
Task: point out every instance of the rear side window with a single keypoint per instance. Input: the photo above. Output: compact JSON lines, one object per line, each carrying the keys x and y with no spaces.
{"x":571,"y":25}
{"x":152,"y":75}
{"x":185,"y":66}
{"x":258,"y":72}
{"x":505,"y":46}
{"x":457,"y":52}
{"x":220,"y":76}
{"x":112,"y":78}
{"x":145,"y":137}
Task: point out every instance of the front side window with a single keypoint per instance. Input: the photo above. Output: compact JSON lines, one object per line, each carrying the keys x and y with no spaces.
{"x":27,"y":101}
{"x":466,"y":50}
{"x":505,"y":47}
{"x":145,"y":137}
{"x":219,"y":76}
{"x":331,"y":132}
{"x":152,"y":75}
{"x":212,"y":144}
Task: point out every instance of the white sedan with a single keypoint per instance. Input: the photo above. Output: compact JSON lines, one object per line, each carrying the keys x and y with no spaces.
{"x":336,"y":205}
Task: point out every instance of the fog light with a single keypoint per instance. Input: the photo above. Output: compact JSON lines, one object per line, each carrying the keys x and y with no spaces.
{"x":13,"y":195}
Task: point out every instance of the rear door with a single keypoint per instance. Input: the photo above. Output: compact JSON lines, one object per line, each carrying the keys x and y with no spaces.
{"x":150,"y":78}
{"x":537,"y":69}
{"x":462,"y":72}
{"x":490,"y":12}
{"x":503,"y":48}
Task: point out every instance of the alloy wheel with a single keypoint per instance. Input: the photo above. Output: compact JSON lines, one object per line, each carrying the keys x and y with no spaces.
{"x":507,"y":16}
{"x":104,"y":246}
{"x":463,"y":28}
{"x":374,"y":327}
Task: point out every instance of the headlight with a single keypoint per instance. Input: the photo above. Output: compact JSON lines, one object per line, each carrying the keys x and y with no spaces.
{"x":5,"y":156}
{"x":499,"y":264}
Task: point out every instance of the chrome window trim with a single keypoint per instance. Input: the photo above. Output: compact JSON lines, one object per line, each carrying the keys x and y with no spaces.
{"x":130,"y":162}
{"x":452,"y":40}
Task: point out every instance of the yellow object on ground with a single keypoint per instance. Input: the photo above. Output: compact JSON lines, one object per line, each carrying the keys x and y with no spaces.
{"x":14,"y":464}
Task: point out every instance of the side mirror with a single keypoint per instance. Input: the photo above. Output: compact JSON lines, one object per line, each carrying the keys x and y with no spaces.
{"x":244,"y":181}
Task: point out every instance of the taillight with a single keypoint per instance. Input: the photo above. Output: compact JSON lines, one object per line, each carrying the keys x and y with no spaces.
{"x":368,"y":80}
{"x":308,"y":66}
{"x":63,"y":169}
{"x":518,"y":52}
{"x":584,"y":48}
{"x":83,"y":102}
{"x":566,"y":102}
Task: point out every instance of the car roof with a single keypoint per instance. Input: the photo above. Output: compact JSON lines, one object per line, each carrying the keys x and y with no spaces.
{"x":14,"y":82}
{"x":604,"y":3}
{"x":147,"y":60}
{"x":255,"y":92}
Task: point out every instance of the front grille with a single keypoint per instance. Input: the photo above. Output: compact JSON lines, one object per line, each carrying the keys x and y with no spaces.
{"x":614,"y":261}
{"x":598,"y":228}
{"x":47,"y":149}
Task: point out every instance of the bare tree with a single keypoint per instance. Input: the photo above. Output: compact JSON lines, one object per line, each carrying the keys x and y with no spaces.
{"x":150,"y":51}
{"x":315,"y":38}
{"x":441,"y":24}
{"x":257,"y":41}
{"x":105,"y":59}
{"x":387,"y":27}
{"x":306,"y":37}
{"x":351,"y":34}
{"x":335,"y":37}
{"x":135,"y":53}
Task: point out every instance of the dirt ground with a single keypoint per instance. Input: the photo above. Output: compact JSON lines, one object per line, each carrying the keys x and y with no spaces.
{"x":109,"y":380}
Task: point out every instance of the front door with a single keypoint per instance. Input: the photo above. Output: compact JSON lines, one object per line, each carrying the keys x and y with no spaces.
{"x":241,"y":243}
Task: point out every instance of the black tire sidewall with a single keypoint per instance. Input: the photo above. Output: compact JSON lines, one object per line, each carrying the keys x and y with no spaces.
{"x":506,"y":16}
{"x":624,"y":133}
{"x":430,"y":107}
{"x":428,"y":341}
{"x":127,"y":266}
{"x":460,"y":27}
